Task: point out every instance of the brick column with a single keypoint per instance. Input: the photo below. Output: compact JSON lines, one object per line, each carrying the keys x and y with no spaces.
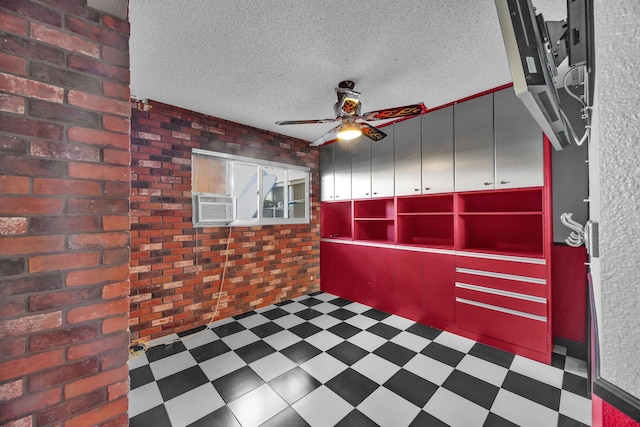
{"x":64,"y":214}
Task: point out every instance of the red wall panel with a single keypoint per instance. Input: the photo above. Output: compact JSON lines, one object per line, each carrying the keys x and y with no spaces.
{"x":569,"y":277}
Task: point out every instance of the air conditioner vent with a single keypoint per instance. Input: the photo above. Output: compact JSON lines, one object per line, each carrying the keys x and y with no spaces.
{"x":213,"y":209}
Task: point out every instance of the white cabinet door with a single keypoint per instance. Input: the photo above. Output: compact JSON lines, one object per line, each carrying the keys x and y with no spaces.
{"x":342,"y":169}
{"x":326,"y":173}
{"x":361,"y":168}
{"x":408,"y":155}
{"x":437,"y":151}
{"x":382,"y":165}
{"x":474,"y":146}
{"x":519,"y":143}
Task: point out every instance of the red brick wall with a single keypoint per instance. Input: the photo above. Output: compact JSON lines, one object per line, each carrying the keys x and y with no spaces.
{"x":64,"y":215}
{"x":175,"y":268}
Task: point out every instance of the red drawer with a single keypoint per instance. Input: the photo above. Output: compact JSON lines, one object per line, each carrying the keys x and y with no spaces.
{"x":515,"y":329}
{"x":538,"y":308}
{"x":505,"y":284}
{"x":515,"y":268}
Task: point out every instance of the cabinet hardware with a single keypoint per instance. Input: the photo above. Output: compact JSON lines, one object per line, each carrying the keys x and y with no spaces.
{"x":375,"y":192}
{"x":488,"y":183}
{"x":416,"y":189}
{"x":366,"y":194}
{"x":427,"y":188}
{"x":504,"y":182}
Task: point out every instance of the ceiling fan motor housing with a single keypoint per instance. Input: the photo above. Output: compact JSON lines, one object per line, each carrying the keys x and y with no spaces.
{"x":348,"y":104}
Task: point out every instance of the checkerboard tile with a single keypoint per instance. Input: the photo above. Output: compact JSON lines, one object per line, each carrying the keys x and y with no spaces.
{"x":320,"y":360}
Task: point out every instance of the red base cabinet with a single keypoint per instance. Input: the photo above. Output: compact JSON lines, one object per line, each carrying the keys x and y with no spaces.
{"x":473,"y":263}
{"x":409,"y":285}
{"x":328,"y":281}
{"x":439,"y":292}
{"x":383,"y":279}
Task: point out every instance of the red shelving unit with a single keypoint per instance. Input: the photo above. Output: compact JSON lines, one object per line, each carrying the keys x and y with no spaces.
{"x":509,"y":222}
{"x":374,"y":220}
{"x":335,"y":220}
{"x":426,"y":221}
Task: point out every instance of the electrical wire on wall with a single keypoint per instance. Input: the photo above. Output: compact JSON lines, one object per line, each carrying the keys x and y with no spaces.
{"x":137,"y":348}
{"x":586,"y":109}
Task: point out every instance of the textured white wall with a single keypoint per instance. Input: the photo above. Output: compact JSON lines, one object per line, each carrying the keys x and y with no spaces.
{"x":617,"y":163}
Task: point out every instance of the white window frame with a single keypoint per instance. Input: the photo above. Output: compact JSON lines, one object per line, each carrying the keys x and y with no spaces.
{"x":260,"y":164}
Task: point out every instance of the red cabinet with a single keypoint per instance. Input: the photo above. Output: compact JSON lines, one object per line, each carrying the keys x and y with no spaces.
{"x":502,"y":221}
{"x":335,"y":220}
{"x":383,"y":279}
{"x":438,"y":289}
{"x":356,"y":261}
{"x":409,"y":294}
{"x":328,"y":281}
{"x":505,"y":299}
{"x":474,"y":263}
{"x":351,"y":273}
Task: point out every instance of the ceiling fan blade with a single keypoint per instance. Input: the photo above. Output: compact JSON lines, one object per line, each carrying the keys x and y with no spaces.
{"x":372,"y":132}
{"x":304,"y":122}
{"x":392,"y":113}
{"x":328,"y":136}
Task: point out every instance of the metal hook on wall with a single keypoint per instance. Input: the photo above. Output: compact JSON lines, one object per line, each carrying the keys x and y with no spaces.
{"x":576,"y":237}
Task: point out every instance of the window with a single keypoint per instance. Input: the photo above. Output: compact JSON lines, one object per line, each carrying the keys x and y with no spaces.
{"x":235,"y":190}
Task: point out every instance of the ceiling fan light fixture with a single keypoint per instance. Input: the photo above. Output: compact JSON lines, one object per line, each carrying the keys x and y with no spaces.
{"x":349,"y":131}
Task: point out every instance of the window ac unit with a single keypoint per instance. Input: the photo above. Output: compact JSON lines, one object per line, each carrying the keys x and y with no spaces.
{"x":214,"y":209}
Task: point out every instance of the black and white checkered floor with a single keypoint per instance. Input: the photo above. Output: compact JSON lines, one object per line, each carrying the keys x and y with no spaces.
{"x":320,"y":360}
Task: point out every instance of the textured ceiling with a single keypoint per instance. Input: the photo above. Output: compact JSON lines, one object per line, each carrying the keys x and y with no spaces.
{"x":257,"y":62}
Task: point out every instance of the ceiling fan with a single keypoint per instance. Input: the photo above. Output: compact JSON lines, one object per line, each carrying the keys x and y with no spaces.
{"x":352,"y":123}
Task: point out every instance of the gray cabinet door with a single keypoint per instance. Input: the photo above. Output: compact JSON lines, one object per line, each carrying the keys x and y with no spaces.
{"x":408,"y":155}
{"x":474,"y":145}
{"x":342,"y":169}
{"x":437,"y":151}
{"x":519,"y":143}
{"x":361,"y":168}
{"x":382,"y":165}
{"x":326,"y":173}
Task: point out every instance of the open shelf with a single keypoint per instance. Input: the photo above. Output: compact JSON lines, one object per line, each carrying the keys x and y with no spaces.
{"x":506,"y":233}
{"x":507,"y":222}
{"x":381,"y":230}
{"x":374,"y":208}
{"x":442,"y":203}
{"x":335,"y":220}
{"x":512,"y":201}
{"x":435,"y":230}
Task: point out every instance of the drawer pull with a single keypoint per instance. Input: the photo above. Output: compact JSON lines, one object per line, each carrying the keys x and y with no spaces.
{"x":501,"y":292}
{"x":502,"y":309}
{"x":502,"y":276}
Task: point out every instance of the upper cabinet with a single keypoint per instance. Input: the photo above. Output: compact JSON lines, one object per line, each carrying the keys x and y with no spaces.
{"x":408,"y":155}
{"x":361,"y":168}
{"x":485,"y":143}
{"x":335,"y":171}
{"x":382,"y":164}
{"x":437,"y":151}
{"x":474,"y":145}
{"x":342,"y":170}
{"x":327,"y":179}
{"x":498,"y":145}
{"x":372,"y":167}
{"x":519,"y":143}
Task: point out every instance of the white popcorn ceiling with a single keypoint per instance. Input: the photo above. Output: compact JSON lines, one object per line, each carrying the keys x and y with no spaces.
{"x":256,"y":62}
